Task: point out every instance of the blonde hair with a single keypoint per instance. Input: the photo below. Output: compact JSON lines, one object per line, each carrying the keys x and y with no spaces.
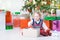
{"x":36,"y":13}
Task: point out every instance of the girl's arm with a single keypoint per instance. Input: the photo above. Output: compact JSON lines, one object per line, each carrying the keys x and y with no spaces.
{"x":30,"y":24}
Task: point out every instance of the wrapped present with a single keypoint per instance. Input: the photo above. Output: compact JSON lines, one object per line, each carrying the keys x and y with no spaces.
{"x":16,"y":22}
{"x":2,"y":20}
{"x":54,"y":25}
{"x":48,"y":23}
{"x":50,"y":18}
{"x":8,"y":20}
{"x":24,"y":19}
{"x":30,"y":32}
{"x":24,"y":23}
{"x":58,"y":18}
{"x":16,"y":19}
{"x":9,"y":26}
{"x":8,"y":16}
{"x":58,"y":29}
{"x":58,"y":12}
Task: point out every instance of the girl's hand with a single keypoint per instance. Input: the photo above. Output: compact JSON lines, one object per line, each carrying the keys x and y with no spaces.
{"x":30,"y":26}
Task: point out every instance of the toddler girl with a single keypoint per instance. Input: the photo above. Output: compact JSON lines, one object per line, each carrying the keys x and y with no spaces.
{"x":37,"y":23}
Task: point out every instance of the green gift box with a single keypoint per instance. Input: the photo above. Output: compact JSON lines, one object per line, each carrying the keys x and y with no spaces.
{"x":58,"y":18}
{"x":50,"y":18}
{"x":8,"y":27}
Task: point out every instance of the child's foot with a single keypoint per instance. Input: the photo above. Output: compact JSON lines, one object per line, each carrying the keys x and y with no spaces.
{"x":49,"y":34}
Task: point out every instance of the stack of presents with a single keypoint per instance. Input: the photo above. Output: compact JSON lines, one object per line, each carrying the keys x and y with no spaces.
{"x":53,"y":23}
{"x":14,"y":20}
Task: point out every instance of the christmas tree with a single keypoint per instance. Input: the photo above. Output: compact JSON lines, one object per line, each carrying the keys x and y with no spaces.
{"x":32,"y":5}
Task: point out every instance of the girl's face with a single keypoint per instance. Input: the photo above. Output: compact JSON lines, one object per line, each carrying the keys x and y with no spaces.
{"x":36,"y":17}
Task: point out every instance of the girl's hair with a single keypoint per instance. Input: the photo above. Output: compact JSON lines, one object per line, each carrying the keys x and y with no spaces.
{"x":36,"y":13}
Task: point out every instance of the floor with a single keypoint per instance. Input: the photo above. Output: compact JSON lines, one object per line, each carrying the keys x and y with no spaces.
{"x":15,"y":34}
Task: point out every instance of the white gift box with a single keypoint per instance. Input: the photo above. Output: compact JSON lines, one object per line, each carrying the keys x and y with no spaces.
{"x":2,"y":20}
{"x":30,"y":32}
{"x":58,"y":12}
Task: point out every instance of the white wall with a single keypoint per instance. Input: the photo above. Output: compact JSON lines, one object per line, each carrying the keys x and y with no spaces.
{"x":13,"y":5}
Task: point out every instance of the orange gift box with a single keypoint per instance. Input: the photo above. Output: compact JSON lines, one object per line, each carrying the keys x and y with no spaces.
{"x":8,"y":17}
{"x":24,"y":23}
{"x":16,"y":22}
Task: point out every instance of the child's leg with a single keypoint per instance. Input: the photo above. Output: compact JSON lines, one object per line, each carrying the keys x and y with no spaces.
{"x":48,"y":31}
{"x":43,"y":33}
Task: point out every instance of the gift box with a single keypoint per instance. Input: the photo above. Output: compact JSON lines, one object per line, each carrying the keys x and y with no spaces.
{"x":30,"y":32}
{"x":8,"y":20}
{"x":24,"y":23}
{"x":2,"y":20}
{"x":57,"y":12}
{"x":9,"y":26}
{"x":16,"y":19}
{"x":8,"y":16}
{"x":50,"y":18}
{"x":58,"y":18}
{"x":48,"y":23}
{"x":58,"y":29}
{"x":54,"y":25}
{"x":24,"y":19}
{"x":16,"y":22}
